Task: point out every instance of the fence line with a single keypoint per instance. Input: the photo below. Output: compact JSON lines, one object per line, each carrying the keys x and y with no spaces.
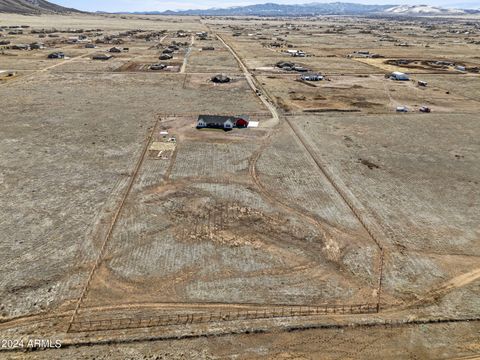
{"x":253,"y":115}
{"x":218,"y":316}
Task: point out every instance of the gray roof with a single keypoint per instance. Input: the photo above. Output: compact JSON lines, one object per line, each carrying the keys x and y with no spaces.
{"x":216,"y":119}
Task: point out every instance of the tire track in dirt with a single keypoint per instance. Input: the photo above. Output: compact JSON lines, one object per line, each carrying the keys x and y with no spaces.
{"x":454,"y":283}
{"x":252,"y":168}
{"x":113,"y":223}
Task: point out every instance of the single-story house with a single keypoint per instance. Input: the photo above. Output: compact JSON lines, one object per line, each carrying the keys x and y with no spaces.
{"x":220,"y":79}
{"x":221,"y":122}
{"x":37,"y":46}
{"x":20,"y":47}
{"x":158,"y":66}
{"x":101,"y":57}
{"x":56,"y":55}
{"x":311,"y":77}
{"x":296,"y":53}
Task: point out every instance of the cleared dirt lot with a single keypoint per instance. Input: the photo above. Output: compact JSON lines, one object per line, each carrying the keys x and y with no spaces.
{"x":124,"y":224}
{"x":400,"y":178}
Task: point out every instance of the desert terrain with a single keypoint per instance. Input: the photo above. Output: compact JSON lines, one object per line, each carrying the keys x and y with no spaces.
{"x":337,"y":228}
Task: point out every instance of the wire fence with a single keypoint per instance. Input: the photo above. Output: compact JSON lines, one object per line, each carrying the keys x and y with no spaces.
{"x":219,"y":316}
{"x":252,"y":115}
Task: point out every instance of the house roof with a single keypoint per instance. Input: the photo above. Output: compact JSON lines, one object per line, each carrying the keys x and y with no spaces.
{"x":216,"y":119}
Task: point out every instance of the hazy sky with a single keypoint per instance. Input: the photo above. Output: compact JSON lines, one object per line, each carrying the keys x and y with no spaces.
{"x":145,"y":5}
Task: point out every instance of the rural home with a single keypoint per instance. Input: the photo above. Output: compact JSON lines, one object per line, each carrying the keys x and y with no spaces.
{"x":102,"y":57}
{"x":221,"y":122}
{"x":311,"y":77}
{"x":56,"y":55}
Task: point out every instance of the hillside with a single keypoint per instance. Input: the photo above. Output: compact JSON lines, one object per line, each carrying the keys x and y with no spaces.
{"x":32,"y":7}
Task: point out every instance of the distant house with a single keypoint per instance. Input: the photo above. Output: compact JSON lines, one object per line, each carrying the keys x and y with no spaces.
{"x":221,"y":122}
{"x":399,"y":76}
{"x":37,"y":46}
{"x":115,"y":50}
{"x":299,"y":68}
{"x":296,"y":53}
{"x":221,"y":79}
{"x":56,"y":55}
{"x":311,"y":77}
{"x":102,"y":57}
{"x":20,"y":47}
{"x":158,"y":67}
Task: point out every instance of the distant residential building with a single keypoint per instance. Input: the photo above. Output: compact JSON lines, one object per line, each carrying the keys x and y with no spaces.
{"x":115,"y":50}
{"x":56,"y":55}
{"x":221,"y":122}
{"x":311,"y":77}
{"x":102,"y":57}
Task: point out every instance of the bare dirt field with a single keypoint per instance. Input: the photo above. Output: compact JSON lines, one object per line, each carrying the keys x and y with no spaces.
{"x":337,"y":228}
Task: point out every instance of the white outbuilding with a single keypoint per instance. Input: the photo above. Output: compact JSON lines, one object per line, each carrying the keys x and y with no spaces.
{"x":399,"y":76}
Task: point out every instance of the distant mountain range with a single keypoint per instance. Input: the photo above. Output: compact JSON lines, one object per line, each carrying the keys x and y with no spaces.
{"x":268,"y":9}
{"x":413,"y":10}
{"x":272,"y":9}
{"x":29,"y":7}
{"x":314,"y":9}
